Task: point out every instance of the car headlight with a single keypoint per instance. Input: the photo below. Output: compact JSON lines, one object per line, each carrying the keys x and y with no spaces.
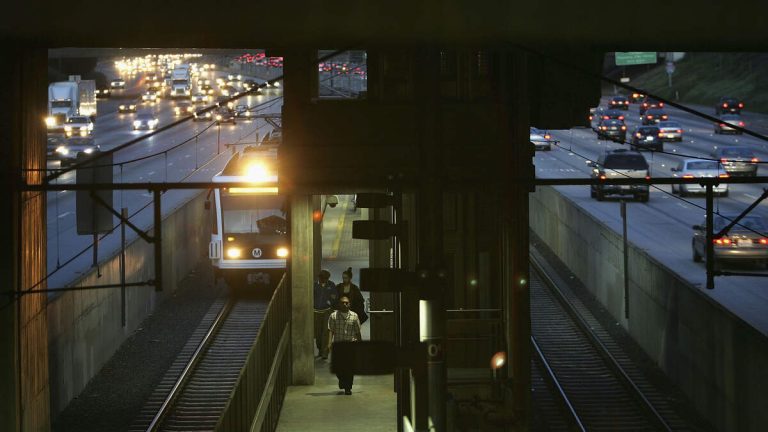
{"x":218,"y":117}
{"x":132,"y":107}
{"x":50,"y":121}
{"x":137,"y":123}
{"x":122,"y":107}
{"x":62,"y":150}
{"x":68,"y":128}
{"x":282,"y":252}
{"x":234,"y":252}
{"x":90,"y":126}
{"x":88,"y":151}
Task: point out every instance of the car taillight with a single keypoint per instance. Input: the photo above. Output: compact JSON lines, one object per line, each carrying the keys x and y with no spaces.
{"x":621,"y":117}
{"x":661,"y":104}
{"x":603,"y":127}
{"x":725,"y":105}
{"x":723,"y":160}
{"x":647,"y":177}
{"x":649,"y":117}
{"x":741,"y":123}
{"x":623,"y":128}
{"x":547,"y":136}
{"x":661,"y":134}
{"x":664,"y":117}
{"x":723,"y":176}
{"x":722,"y":241}
{"x":688,"y":176}
{"x":741,"y":105}
{"x":755,"y":159}
{"x":606,"y":117}
{"x":722,"y":124}
{"x":763,"y":241}
{"x":602,"y":176}
{"x":639,"y":135}
{"x":679,"y":131}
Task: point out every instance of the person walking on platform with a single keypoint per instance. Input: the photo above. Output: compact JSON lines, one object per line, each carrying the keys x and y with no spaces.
{"x":356,"y":300}
{"x":344,"y":326}
{"x":324,"y":293}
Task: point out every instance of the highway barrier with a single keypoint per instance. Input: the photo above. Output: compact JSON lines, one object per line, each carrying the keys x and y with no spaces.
{"x":718,"y":360}
{"x":85,"y":327}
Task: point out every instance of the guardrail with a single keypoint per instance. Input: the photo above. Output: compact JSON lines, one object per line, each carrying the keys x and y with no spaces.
{"x":258,"y":394}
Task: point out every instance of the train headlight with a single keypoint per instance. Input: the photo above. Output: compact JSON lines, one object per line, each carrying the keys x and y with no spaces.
{"x":257,"y":173}
{"x":282,"y":252}
{"x":234,"y":252}
{"x":50,"y":121}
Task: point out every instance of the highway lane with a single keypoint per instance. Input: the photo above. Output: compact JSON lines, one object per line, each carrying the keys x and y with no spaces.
{"x":199,"y":160}
{"x":662,"y":226}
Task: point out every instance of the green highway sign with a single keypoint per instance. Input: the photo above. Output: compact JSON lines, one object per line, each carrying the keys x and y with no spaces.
{"x":635,"y":58}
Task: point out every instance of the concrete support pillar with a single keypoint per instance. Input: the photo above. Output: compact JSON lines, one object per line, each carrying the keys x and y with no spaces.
{"x":516,"y":161}
{"x":24,"y":381}
{"x":302,"y":278}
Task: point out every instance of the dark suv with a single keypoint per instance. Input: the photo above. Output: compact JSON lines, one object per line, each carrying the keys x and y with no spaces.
{"x":619,"y":102}
{"x":728,"y":105}
{"x":620,"y":164}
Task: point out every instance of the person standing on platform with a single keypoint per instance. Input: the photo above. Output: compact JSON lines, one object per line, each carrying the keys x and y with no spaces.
{"x":344,"y":326}
{"x":324,"y":293}
{"x":356,"y":300}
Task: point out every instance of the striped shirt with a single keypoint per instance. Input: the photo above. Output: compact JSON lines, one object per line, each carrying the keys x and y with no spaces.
{"x":345,"y":326}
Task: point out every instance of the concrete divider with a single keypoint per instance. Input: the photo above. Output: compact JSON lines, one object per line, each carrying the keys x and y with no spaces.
{"x":718,"y":360}
{"x":85,"y":327}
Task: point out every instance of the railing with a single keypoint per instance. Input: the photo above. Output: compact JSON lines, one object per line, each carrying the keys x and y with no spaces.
{"x":258,"y":395}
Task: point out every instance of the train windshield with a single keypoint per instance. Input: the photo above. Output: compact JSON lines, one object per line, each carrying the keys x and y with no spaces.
{"x":254,"y":214}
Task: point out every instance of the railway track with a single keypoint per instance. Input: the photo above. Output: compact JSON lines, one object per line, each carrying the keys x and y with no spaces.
{"x":195,"y":390}
{"x":582,"y":380}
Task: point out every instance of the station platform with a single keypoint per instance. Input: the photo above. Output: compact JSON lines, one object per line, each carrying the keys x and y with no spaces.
{"x":372,"y":406}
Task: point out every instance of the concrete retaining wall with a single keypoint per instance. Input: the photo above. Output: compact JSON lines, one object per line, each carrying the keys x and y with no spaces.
{"x":85,"y":327}
{"x":718,"y":360}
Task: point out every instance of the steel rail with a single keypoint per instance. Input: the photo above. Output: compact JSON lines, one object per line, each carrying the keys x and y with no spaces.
{"x":189,"y":368}
{"x":610,"y":360}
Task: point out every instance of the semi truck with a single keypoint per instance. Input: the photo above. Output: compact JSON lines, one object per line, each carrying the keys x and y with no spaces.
{"x":181,"y":87}
{"x":70,"y":98}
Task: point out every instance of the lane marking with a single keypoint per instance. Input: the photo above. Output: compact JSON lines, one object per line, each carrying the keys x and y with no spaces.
{"x":65,"y":214}
{"x":339,"y":231}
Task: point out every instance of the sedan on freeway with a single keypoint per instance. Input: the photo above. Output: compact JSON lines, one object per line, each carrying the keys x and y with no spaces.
{"x":728,"y":120}
{"x":542,"y":140}
{"x":653,"y":116}
{"x":698,"y":168}
{"x":117,"y":84}
{"x":646,"y":138}
{"x":636,"y":97}
{"x":671,"y":131}
{"x":612,"y":129}
{"x":206,"y":116}
{"x":242,"y":111}
{"x":129,"y":107}
{"x":183,"y":108}
{"x":145,"y":121}
{"x":150,"y":96}
{"x":225,"y":115}
{"x":650,"y":103}
{"x":103,"y":92}
{"x":728,"y":104}
{"x":737,"y":160}
{"x":78,"y":125}
{"x":619,"y":102}
{"x":198,"y":98}
{"x":746,"y":241}
{"x":76,"y":147}
{"x":612,"y":114}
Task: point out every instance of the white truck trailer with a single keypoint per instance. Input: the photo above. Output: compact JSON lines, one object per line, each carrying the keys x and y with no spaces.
{"x":70,"y":98}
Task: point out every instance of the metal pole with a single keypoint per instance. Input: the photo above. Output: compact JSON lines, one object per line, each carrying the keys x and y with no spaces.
{"x":124,"y":214}
{"x":626,"y":258}
{"x":158,"y":221}
{"x":710,"y":237}
{"x":96,"y":253}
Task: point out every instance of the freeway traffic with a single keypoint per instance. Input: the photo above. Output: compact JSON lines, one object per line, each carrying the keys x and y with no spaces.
{"x":199,"y":159}
{"x":663,"y":225}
